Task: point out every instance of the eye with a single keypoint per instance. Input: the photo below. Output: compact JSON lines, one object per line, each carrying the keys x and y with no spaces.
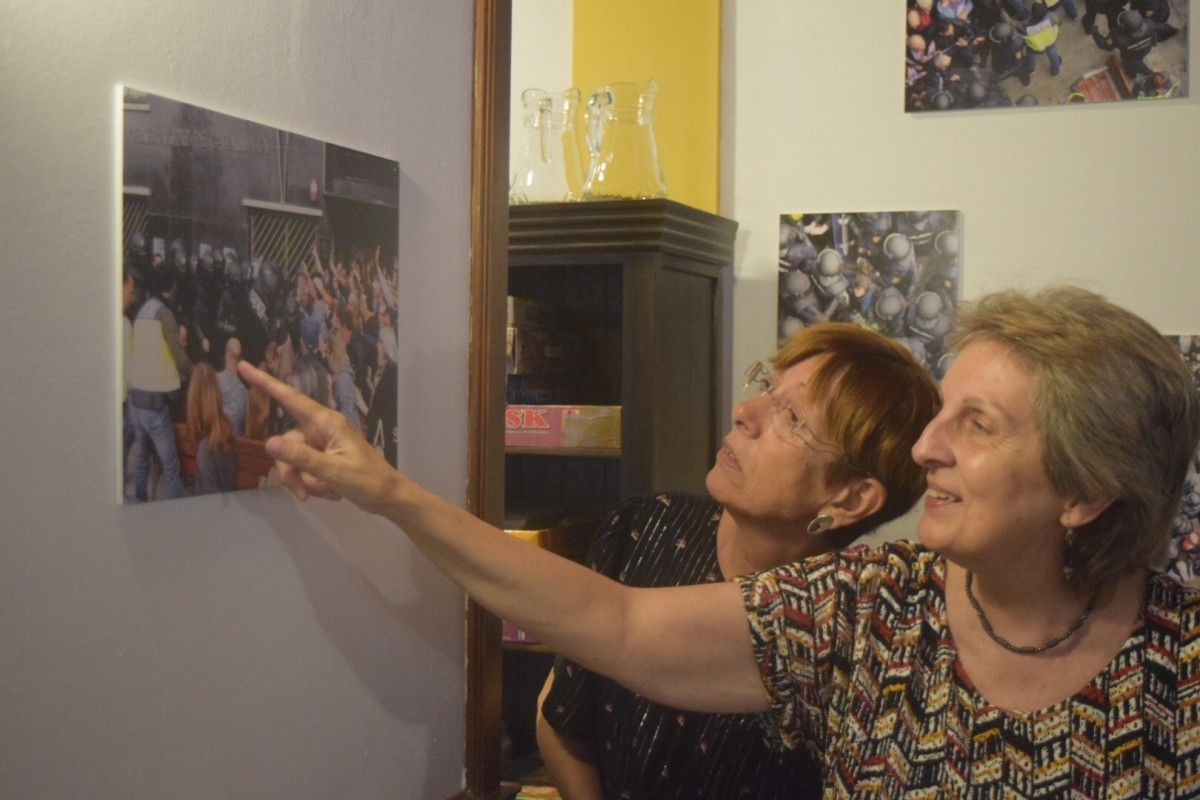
{"x":976,"y":424}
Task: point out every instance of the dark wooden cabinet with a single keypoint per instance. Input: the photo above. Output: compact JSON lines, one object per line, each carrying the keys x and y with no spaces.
{"x":643,"y":281}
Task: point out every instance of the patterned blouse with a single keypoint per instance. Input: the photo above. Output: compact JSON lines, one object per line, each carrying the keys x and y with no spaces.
{"x":858,"y":660}
{"x":645,"y":751}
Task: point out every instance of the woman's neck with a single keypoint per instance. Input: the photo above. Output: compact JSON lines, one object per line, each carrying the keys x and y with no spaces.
{"x":745,"y":546}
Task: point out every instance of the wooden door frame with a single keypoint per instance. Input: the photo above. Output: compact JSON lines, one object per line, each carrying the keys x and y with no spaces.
{"x":485,"y":444}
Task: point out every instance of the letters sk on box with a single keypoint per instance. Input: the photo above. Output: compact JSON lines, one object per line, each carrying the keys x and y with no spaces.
{"x":591,"y":427}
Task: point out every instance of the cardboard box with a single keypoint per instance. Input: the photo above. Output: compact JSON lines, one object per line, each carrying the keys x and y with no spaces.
{"x":565,"y":427}
{"x":567,"y":538}
{"x":538,"y":793}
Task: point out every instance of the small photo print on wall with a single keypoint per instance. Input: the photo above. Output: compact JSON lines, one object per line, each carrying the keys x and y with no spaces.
{"x":1183,"y":559}
{"x":241,"y":241}
{"x":964,"y":54}
{"x":896,"y":272}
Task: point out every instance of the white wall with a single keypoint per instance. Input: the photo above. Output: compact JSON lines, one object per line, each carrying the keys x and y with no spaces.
{"x":541,"y":58}
{"x":220,"y":647}
{"x":1104,"y":196}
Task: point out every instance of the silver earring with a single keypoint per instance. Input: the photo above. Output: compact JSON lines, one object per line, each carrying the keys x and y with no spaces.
{"x":1068,"y":566}
{"x":820,"y":524}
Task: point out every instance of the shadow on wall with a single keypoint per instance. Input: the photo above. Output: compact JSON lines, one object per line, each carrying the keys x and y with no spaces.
{"x":392,"y":653}
{"x":232,"y":652}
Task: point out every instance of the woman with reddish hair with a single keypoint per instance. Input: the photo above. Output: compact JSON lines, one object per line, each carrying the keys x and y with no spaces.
{"x":211,"y":430}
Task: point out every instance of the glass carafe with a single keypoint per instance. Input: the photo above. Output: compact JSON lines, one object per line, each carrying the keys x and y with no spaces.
{"x":548,"y":169}
{"x":619,"y":129}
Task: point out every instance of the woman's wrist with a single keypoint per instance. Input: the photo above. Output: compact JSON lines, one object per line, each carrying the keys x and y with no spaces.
{"x":397,"y":498}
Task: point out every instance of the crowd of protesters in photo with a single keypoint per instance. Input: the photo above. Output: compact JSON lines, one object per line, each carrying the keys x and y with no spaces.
{"x":327,"y":326}
{"x":961,"y":53}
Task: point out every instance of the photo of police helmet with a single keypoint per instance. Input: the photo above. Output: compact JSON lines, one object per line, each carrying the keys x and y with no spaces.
{"x":829,"y":263}
{"x":929,"y":305}
{"x":1132,"y":22}
{"x":795,"y":284}
{"x":946,"y":244}
{"x":889,"y":304}
{"x":897,"y":246}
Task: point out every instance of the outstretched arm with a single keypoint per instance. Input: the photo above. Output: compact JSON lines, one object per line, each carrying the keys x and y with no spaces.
{"x":688,"y":647}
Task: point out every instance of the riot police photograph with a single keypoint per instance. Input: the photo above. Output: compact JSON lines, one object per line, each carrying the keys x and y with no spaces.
{"x":969,"y":54}
{"x":894,"y":272}
{"x":245,"y":242}
{"x":1184,"y":555}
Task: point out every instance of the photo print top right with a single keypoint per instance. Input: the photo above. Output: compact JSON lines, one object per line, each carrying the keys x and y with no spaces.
{"x":967,"y":54}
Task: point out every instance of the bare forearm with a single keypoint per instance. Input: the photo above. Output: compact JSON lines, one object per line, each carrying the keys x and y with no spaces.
{"x":571,"y":763}
{"x":573,"y":609}
{"x":687,"y":647}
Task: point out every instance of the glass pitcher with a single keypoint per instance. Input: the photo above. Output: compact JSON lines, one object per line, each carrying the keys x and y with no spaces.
{"x":548,"y":169}
{"x":619,"y":129}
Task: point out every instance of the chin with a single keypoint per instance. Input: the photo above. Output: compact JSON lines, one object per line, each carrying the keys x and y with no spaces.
{"x":929,"y":535}
{"x":713,"y":483}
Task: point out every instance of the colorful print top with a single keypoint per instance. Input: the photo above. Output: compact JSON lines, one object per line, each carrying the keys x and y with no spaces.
{"x":858,"y":660}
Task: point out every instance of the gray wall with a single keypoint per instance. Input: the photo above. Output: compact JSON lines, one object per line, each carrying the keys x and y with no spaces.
{"x":220,"y":647}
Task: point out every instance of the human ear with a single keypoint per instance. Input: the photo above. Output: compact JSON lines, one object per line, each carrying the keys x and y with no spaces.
{"x":1078,"y":512}
{"x":858,"y":499}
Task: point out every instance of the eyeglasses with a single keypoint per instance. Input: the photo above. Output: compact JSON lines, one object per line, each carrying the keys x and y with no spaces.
{"x":787,"y":423}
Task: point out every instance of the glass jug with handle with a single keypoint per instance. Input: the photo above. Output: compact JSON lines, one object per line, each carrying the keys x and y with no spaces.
{"x":548,"y":168}
{"x":619,"y":128}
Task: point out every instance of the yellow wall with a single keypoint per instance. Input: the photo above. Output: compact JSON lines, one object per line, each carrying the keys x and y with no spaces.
{"x":678,"y":44}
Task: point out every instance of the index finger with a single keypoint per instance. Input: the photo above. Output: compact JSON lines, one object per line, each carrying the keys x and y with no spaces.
{"x":300,"y":406}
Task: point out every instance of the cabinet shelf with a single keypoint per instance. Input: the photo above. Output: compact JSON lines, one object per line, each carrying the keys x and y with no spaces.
{"x":525,"y":647}
{"x":564,"y":452}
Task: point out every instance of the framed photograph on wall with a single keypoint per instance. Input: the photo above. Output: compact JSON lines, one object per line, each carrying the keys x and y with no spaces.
{"x":243,"y":241}
{"x":969,"y":54}
{"x":1183,"y":559}
{"x":896,"y":272}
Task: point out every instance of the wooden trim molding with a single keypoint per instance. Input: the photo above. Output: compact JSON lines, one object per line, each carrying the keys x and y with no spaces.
{"x":485,"y":447}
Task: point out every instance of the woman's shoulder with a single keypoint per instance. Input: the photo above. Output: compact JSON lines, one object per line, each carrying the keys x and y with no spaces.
{"x":653,"y":511}
{"x":900,"y":568}
{"x":900,"y":557}
{"x":640,"y":540}
{"x":1174,"y":604}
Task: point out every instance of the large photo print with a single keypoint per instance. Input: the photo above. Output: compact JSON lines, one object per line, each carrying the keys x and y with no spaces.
{"x":963,"y":54}
{"x":1184,"y":556}
{"x":243,"y":241}
{"x":896,"y":272}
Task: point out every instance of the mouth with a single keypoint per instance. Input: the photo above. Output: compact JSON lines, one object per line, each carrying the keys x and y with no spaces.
{"x":939,"y":497}
{"x":726,"y":457}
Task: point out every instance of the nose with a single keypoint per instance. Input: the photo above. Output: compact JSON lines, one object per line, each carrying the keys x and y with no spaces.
{"x":750,"y":414}
{"x":932,"y":447}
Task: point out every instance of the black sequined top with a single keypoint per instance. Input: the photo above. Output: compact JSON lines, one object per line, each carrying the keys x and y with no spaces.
{"x":645,"y":751}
